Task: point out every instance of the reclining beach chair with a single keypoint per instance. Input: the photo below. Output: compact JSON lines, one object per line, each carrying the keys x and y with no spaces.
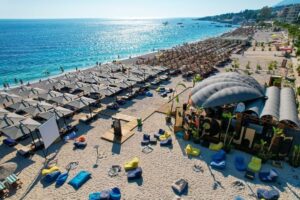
{"x":190,"y":151}
{"x":13,"y":180}
{"x":255,"y":164}
{"x":216,"y":147}
{"x":3,"y":189}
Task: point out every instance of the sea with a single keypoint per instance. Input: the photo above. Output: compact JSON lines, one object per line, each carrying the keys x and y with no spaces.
{"x":31,"y":50}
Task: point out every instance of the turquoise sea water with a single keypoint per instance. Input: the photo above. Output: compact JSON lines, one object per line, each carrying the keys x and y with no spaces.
{"x":28,"y":48}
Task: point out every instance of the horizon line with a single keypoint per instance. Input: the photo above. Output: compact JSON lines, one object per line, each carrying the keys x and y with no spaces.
{"x":106,"y":18}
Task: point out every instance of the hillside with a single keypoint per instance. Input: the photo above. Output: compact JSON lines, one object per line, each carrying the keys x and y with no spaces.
{"x":288,"y":2}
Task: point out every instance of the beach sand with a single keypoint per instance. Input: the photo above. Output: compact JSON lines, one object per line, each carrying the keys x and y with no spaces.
{"x":161,"y":167}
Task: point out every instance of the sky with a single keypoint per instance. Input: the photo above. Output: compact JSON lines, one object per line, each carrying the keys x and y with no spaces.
{"x":123,"y":9}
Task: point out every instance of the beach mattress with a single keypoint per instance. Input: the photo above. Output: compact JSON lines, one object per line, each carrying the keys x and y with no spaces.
{"x":80,"y":179}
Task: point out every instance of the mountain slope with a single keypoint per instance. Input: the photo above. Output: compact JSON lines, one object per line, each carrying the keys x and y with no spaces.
{"x":288,"y":2}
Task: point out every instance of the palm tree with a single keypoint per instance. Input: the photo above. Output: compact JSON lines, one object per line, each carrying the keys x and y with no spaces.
{"x":228,"y":116}
{"x":197,"y":78}
{"x":176,"y":97}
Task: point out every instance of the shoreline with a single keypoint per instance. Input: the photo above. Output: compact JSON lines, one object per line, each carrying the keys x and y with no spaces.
{"x":126,"y":61}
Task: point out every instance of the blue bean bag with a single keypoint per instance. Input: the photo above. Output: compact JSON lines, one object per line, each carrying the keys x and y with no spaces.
{"x":149,"y":94}
{"x":166,"y":142}
{"x":268,"y":194}
{"x":80,"y":179}
{"x":219,"y":156}
{"x":94,"y":196}
{"x":49,"y":178}
{"x":115,"y":194}
{"x":9,"y":142}
{"x":270,"y":176}
{"x":135,"y":174}
{"x":239,"y":163}
{"x":80,"y":145}
{"x":61,"y":179}
{"x":218,"y":165}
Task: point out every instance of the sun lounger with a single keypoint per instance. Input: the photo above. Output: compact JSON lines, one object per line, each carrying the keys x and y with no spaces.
{"x":255,"y":164}
{"x":166,"y":142}
{"x":268,"y":194}
{"x":50,"y":170}
{"x":189,"y":150}
{"x":270,"y":176}
{"x":165,"y":136}
{"x":131,"y":164}
{"x":216,"y":147}
{"x":50,"y":178}
{"x":3,"y":189}
{"x":115,"y":194}
{"x":80,"y":179}
{"x":219,"y":156}
{"x":180,"y":186}
{"x":239,"y":163}
{"x":61,"y":179}
{"x":134,"y":174}
{"x":13,"y":180}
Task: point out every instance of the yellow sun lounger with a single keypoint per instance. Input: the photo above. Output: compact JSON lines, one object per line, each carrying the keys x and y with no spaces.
{"x":134,"y":163}
{"x":165,"y":136}
{"x":50,"y":170}
{"x":255,"y":164}
{"x":216,"y":147}
{"x":189,"y":150}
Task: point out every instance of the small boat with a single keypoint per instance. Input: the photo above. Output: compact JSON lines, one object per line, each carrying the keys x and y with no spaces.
{"x":228,"y":25}
{"x":180,"y":23}
{"x":219,"y":26}
{"x":165,"y":23}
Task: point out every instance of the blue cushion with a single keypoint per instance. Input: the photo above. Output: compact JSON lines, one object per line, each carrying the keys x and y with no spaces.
{"x":61,"y":179}
{"x":94,"y":196}
{"x":219,"y":156}
{"x":115,"y":194}
{"x":166,"y":142}
{"x":49,"y":178}
{"x":135,"y":174}
{"x":268,"y":194}
{"x":80,"y":179}
{"x":240,"y":164}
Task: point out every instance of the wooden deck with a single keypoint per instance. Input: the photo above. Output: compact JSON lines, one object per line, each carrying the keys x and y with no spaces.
{"x":126,"y":129}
